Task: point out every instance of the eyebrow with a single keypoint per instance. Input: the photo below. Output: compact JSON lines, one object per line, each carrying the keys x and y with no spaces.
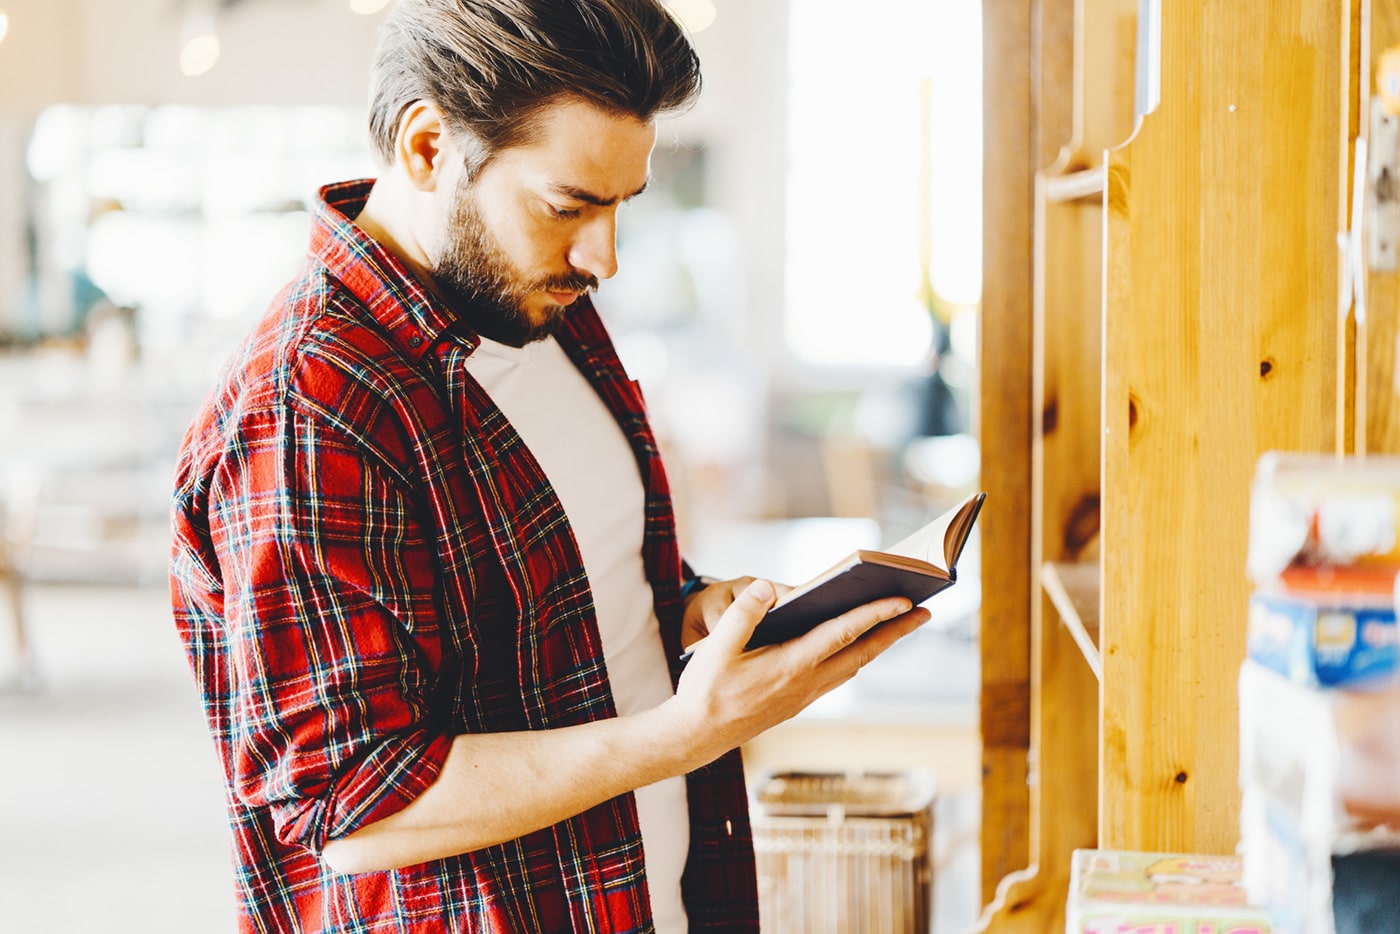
{"x":588,"y":197}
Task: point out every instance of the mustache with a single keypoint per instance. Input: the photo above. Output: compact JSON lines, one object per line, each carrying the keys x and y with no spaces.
{"x":574,"y":282}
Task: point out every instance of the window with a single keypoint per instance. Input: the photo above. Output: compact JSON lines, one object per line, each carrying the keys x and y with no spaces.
{"x":884,"y":188}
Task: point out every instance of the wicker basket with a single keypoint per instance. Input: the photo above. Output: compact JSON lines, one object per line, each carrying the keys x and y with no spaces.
{"x":845,"y":853}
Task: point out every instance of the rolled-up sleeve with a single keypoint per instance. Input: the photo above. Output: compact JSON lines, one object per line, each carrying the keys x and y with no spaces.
{"x":333,"y":628}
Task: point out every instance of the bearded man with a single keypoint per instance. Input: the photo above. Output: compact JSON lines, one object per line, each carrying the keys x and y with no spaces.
{"x":425,"y":563}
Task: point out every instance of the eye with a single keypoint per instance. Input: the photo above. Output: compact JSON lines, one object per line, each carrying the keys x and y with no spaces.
{"x":563,"y":213}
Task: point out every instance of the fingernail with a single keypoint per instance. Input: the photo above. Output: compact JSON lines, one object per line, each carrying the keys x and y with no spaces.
{"x":761,"y":590}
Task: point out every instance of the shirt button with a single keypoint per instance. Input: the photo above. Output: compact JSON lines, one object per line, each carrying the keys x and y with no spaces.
{"x":415,"y":341}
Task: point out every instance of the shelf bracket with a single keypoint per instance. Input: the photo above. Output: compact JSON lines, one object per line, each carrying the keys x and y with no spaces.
{"x":1383,"y":191}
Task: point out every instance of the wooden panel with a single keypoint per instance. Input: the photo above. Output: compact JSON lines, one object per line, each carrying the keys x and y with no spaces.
{"x":1064,"y":718}
{"x":1065,"y":465}
{"x":1064,"y":787}
{"x":1105,"y":68}
{"x":1074,"y":590}
{"x":1068,"y":384}
{"x":1054,"y":79}
{"x":1383,"y":288}
{"x":1066,"y":350}
{"x":1005,"y":433}
{"x":1349,"y":102}
{"x":1219,"y":344}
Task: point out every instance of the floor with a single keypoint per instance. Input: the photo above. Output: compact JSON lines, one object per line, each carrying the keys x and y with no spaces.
{"x":111,"y":815}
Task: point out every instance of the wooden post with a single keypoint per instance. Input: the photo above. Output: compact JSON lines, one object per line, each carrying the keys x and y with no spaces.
{"x":1219,"y":345}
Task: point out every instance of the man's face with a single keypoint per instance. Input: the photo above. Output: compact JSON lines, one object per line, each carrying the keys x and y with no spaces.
{"x":538,"y":225}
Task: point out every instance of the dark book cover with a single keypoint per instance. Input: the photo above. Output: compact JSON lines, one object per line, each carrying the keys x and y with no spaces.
{"x":921,"y":566}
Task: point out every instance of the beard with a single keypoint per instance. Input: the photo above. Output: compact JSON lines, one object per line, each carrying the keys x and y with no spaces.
{"x":484,"y":287}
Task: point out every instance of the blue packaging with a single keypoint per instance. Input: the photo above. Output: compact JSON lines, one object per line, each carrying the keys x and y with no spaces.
{"x":1325,"y":639}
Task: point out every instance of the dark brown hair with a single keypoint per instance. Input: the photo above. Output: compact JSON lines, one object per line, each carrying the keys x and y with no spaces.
{"x":491,"y":65}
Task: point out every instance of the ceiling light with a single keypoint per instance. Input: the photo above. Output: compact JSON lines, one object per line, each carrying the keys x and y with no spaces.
{"x":367,"y":7}
{"x":199,"y":55}
{"x":695,"y":15}
{"x":4,"y":24}
{"x":199,"y":37}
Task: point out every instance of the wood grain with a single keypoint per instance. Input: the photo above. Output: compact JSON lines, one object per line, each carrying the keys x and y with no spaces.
{"x":1075,"y":590}
{"x":1382,"y":288}
{"x":1053,"y":75}
{"x":1004,"y":429}
{"x":1064,"y":785}
{"x":1066,"y":387}
{"x":1219,"y":345}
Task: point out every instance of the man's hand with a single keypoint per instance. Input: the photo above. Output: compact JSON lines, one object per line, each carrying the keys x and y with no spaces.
{"x":704,"y":607}
{"x":498,"y":786}
{"x":729,"y":695}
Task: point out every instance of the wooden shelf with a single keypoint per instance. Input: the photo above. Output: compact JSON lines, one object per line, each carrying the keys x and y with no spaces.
{"x":1074,"y":590}
{"x":1150,"y":393}
{"x":1076,"y":186}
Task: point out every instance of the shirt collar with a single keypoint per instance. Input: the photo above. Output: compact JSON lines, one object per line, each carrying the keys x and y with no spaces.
{"x":395,"y":297}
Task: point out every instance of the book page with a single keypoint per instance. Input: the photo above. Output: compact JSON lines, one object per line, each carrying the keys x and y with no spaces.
{"x":941,"y":541}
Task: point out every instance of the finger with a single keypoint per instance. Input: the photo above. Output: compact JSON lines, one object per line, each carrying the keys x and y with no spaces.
{"x":876,"y":640}
{"x":736,"y":624}
{"x":718,"y":598}
{"x":836,"y":634}
{"x":737,"y":585}
{"x":693,"y":635}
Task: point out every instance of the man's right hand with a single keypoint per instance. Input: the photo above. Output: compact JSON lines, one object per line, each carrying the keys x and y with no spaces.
{"x":728,"y":695}
{"x":495,"y":787}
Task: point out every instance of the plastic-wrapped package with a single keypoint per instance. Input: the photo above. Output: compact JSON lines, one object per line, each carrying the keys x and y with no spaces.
{"x":1324,"y":639}
{"x":1323,"y":523}
{"x":1320,"y":774}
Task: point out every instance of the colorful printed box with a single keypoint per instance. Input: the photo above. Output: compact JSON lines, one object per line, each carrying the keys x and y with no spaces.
{"x":1119,"y":892}
{"x":1323,"y":640}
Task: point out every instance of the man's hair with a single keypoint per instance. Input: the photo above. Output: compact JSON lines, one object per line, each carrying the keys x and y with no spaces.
{"x":490,"y":66}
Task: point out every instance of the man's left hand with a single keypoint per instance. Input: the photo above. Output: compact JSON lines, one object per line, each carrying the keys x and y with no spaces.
{"x":705,"y":606}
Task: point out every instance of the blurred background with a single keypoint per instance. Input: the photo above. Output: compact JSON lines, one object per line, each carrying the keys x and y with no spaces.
{"x":798,"y":296}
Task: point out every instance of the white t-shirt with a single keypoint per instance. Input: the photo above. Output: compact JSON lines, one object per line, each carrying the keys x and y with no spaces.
{"x":591,"y":466}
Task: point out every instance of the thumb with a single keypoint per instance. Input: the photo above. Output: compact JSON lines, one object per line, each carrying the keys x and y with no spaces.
{"x":737,"y":623}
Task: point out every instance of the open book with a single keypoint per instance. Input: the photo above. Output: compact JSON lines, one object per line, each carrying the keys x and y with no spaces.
{"x":917,"y":567}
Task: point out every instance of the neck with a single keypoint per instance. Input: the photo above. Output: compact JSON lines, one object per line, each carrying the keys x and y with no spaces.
{"x":385,"y":218}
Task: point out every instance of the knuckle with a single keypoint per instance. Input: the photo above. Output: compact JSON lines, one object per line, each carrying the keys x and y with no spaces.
{"x":852,"y":630}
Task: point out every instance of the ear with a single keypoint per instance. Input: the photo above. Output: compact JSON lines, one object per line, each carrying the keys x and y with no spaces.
{"x":421,"y":145}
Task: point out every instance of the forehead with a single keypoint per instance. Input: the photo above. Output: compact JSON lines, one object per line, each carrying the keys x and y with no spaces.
{"x":581,"y":147}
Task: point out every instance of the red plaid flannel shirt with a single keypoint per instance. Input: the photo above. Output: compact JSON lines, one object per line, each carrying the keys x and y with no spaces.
{"x":367,"y":562}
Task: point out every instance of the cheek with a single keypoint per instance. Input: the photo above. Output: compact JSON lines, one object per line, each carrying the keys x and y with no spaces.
{"x":508,"y":218}
{"x":531,"y":244}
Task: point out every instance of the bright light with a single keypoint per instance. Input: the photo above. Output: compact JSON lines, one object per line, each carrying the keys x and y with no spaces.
{"x":695,"y":15}
{"x":4,"y":24}
{"x":367,"y":7}
{"x":199,"y":55}
{"x":875,"y":297}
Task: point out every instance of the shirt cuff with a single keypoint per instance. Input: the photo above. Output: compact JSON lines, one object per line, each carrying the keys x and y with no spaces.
{"x":381,"y":783}
{"x":694,"y":584}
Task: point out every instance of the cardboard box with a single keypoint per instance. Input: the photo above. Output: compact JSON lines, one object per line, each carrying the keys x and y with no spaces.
{"x":1120,"y":892}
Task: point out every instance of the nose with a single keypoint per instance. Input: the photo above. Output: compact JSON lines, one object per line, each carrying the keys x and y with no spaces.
{"x":594,"y":249}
